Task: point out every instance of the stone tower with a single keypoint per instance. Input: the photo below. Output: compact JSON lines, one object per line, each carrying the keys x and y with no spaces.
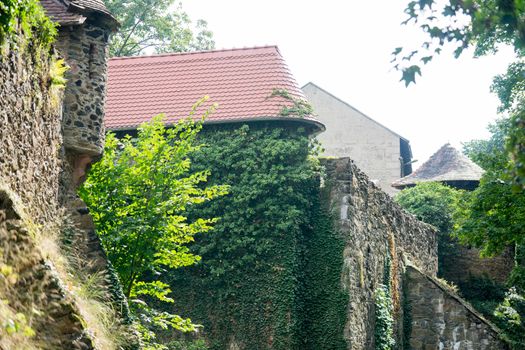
{"x":85,"y":27}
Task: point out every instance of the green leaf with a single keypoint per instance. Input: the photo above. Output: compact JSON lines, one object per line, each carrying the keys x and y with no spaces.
{"x":409,"y":74}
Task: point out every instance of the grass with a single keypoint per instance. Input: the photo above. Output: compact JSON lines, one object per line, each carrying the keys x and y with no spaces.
{"x":87,"y":289}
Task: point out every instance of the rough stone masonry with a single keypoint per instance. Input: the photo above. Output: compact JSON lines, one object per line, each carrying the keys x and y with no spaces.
{"x":375,"y":230}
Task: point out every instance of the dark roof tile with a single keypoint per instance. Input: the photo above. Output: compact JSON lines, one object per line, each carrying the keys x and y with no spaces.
{"x":71,"y":12}
{"x":446,"y":165}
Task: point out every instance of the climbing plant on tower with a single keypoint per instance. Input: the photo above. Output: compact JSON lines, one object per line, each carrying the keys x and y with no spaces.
{"x":248,"y":290}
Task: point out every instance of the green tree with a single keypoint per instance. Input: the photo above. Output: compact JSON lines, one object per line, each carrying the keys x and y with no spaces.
{"x":431,"y":202}
{"x":138,"y":195}
{"x":484,"y":25}
{"x":435,"y":204}
{"x":494,"y":216}
{"x":510,"y":317}
{"x":158,"y":25}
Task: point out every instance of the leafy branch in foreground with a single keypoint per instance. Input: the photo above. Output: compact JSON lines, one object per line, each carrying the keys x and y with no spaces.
{"x":484,"y":25}
{"x":138,"y":194}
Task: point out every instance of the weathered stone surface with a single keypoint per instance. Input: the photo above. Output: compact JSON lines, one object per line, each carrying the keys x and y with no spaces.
{"x":30,"y":135}
{"x":85,"y":50}
{"x":375,"y":228}
{"x":439,"y":319}
{"x":30,"y":168}
{"x":40,"y":172}
{"x":460,"y":264}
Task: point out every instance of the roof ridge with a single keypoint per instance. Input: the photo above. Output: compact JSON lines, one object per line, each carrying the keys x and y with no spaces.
{"x":355,"y":109}
{"x":197,"y":52}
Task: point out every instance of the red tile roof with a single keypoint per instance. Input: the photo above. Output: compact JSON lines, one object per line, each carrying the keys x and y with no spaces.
{"x":239,"y":80}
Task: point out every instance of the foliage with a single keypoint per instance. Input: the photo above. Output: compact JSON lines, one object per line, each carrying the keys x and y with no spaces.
{"x":57,"y":71}
{"x":187,"y":345}
{"x":138,"y":195}
{"x":493,"y":217}
{"x":30,"y":17}
{"x":482,"y":288}
{"x":300,"y":107}
{"x":510,"y":89}
{"x":431,"y":202}
{"x":491,"y":154}
{"x":246,"y":288}
{"x":325,"y":299}
{"x":484,"y":25}
{"x":434,"y":204}
{"x":159,"y":25}
{"x":510,"y":316}
{"x":384,"y":321}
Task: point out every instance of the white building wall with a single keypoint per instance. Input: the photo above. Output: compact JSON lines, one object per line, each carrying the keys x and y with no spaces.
{"x":349,"y":133}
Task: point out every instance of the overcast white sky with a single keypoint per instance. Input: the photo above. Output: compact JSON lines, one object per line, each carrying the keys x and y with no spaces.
{"x":344,"y":47}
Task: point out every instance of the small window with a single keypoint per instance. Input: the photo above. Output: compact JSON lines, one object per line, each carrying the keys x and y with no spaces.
{"x":92,"y":51}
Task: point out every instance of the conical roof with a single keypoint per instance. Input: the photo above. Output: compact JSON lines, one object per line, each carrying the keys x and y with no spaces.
{"x":447,"y":165}
{"x":241,"y":81}
{"x":75,"y":12}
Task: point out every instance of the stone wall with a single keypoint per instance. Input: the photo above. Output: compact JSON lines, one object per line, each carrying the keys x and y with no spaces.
{"x":40,"y":171}
{"x":85,"y":50}
{"x":460,"y":264}
{"x":30,"y":135}
{"x":374,"y":229}
{"x":439,"y":319}
{"x":31,"y":156}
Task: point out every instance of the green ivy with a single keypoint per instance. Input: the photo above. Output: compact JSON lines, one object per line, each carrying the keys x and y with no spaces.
{"x":325,"y":301}
{"x":384,"y":321}
{"x":510,"y":316}
{"x":300,"y":108}
{"x":248,"y":288}
{"x":29,"y":16}
{"x":407,"y":317}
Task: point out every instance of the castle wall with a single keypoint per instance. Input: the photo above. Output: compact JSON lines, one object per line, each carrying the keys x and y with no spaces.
{"x":30,"y":133}
{"x":439,"y":319}
{"x":85,"y":50}
{"x":375,"y":229}
{"x":46,"y":146}
{"x":460,"y":264}
{"x":31,"y":158}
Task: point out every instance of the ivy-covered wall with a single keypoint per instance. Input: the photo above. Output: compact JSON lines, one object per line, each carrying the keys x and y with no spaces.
{"x":325,"y":298}
{"x":294,"y":263}
{"x":247,"y":291}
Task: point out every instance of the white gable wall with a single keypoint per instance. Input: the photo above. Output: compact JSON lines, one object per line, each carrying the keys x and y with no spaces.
{"x":349,"y":133}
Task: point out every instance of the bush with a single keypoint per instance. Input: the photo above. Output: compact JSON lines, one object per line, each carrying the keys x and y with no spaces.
{"x":510,"y":316}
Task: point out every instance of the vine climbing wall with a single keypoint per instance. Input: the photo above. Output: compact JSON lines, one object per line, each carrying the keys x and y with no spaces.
{"x":247,"y":289}
{"x":293,"y":264}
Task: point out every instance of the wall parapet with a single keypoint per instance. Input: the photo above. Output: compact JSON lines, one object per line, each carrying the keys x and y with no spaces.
{"x":379,"y":236}
{"x":440,"y":319}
